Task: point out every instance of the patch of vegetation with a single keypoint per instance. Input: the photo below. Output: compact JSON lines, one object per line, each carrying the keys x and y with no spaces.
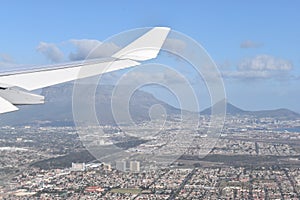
{"x":64,"y":161}
{"x":126,"y":190}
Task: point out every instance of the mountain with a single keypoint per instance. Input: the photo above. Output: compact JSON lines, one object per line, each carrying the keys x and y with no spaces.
{"x":281,"y":113}
{"x":58,"y":111}
{"x":58,"y":107}
{"x":230,"y":109}
{"x":233,"y":110}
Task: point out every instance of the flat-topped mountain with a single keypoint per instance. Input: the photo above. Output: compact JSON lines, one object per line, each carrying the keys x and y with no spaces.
{"x":58,"y":107}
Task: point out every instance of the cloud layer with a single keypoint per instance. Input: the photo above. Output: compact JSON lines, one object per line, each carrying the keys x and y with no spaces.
{"x":250,"y":44}
{"x":175,"y":45}
{"x":261,"y":67}
{"x":265,"y":63}
{"x":83,"y":49}
{"x":257,"y":67}
{"x":5,"y":58}
{"x":91,"y":49}
{"x":7,"y":62}
{"x":50,"y":51}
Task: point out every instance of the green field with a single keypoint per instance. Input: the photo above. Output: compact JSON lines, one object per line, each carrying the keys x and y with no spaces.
{"x":126,"y":190}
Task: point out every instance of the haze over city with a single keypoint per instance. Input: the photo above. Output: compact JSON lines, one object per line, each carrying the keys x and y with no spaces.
{"x":149,"y":100}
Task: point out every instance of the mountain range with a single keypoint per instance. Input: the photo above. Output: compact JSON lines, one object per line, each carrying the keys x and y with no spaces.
{"x":281,"y":113}
{"x":58,"y":108}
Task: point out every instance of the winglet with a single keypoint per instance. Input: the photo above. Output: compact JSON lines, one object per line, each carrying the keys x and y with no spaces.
{"x":145,"y":47}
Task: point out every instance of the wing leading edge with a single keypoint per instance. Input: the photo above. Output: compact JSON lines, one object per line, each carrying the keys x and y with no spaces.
{"x":143,"y":48}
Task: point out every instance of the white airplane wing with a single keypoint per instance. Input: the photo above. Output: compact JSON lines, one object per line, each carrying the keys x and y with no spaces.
{"x":36,"y":79}
{"x":15,"y":87}
{"x":6,"y":106}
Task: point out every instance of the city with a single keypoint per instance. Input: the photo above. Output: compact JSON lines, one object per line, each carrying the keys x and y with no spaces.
{"x":252,"y":159}
{"x":149,"y":100}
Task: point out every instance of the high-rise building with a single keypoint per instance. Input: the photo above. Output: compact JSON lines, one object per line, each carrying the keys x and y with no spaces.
{"x":135,"y":166}
{"x":121,"y":165}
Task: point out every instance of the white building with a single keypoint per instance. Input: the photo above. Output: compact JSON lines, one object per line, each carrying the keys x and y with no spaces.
{"x":78,"y":167}
{"x":121,"y":165}
{"x":135,"y":166}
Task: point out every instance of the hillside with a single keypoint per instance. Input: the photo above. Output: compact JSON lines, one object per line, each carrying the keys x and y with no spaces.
{"x":282,"y":113}
{"x":58,"y":107}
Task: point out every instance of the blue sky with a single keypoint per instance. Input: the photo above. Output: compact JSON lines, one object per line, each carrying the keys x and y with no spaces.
{"x":255,"y":43}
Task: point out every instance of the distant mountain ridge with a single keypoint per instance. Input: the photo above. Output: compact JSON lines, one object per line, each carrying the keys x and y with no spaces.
{"x":233,"y":110}
{"x":57,"y":111}
{"x":58,"y":107}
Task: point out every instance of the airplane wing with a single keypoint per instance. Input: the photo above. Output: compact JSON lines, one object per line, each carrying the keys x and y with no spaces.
{"x":6,"y":106}
{"x":36,"y":79}
{"x":15,"y":87}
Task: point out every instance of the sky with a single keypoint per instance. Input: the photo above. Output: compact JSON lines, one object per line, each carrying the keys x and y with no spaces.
{"x":255,"y":44}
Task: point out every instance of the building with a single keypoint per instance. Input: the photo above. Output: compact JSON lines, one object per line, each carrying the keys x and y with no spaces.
{"x":78,"y":167}
{"x":135,"y":166}
{"x":121,"y":165}
{"x":94,"y":189}
{"x":107,"y":166}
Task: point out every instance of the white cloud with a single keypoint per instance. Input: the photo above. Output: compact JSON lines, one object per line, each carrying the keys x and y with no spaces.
{"x":51,"y":51}
{"x":250,"y":44}
{"x":175,"y":45}
{"x":261,"y":67}
{"x":89,"y":49}
{"x":8,"y":63}
{"x":265,"y":62}
{"x":83,"y":48}
{"x":5,"y":58}
{"x":249,"y":74}
{"x":92,"y":49}
{"x":155,"y":75}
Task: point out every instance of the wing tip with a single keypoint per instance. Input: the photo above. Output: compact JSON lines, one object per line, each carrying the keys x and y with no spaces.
{"x":162,"y":28}
{"x":145,"y":47}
